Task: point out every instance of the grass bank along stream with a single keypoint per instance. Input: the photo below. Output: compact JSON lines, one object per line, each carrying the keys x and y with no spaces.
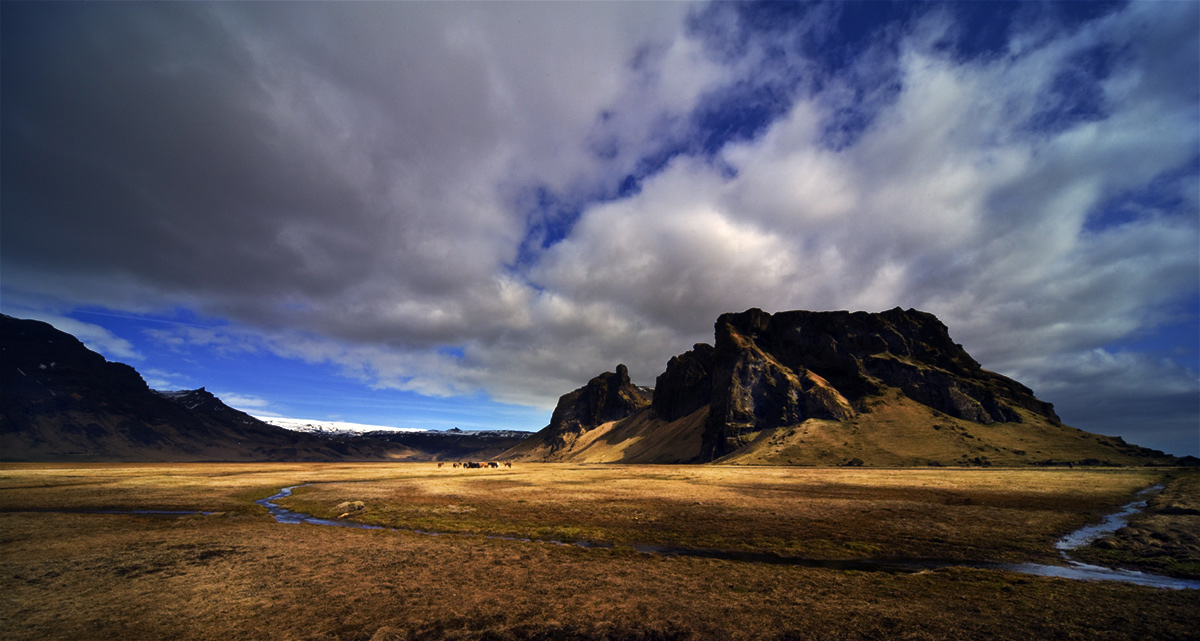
{"x":1073,"y":570}
{"x":994,"y":515}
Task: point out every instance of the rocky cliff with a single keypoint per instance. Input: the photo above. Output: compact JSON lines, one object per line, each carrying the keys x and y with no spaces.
{"x":771,"y":370}
{"x":822,"y":388}
{"x":608,"y":397}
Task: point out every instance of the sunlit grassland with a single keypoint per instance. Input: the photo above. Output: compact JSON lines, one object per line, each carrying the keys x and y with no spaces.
{"x":237,"y":574}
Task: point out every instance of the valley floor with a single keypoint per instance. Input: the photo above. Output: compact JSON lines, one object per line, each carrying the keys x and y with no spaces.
{"x":69,"y":572}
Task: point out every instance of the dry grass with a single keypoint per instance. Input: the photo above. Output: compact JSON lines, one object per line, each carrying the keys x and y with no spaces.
{"x":890,"y":430}
{"x":998,"y":515}
{"x":239,"y":575}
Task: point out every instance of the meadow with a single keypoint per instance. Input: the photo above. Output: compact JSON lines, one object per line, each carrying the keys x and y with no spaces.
{"x":499,"y":568}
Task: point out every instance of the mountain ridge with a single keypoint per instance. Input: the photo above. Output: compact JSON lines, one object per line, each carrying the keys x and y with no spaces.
{"x":61,"y":401}
{"x":829,"y":388}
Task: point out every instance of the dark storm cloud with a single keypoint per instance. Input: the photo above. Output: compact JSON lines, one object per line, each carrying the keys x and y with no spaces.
{"x":137,"y":143}
{"x":342,"y":168}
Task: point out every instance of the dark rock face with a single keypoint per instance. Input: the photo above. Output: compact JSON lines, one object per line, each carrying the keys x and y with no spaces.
{"x":610,"y":396}
{"x":686,"y":385}
{"x":753,"y":390}
{"x":770,"y":370}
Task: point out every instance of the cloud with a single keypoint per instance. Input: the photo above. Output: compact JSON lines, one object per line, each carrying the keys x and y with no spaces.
{"x":448,"y":198}
{"x":1154,"y":400}
{"x":951,"y":200}
{"x":164,"y":380}
{"x":243,"y":402}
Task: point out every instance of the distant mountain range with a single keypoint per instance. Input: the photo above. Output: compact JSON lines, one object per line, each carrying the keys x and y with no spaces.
{"x":62,"y":401}
{"x":821,"y":388}
{"x":344,"y":428}
{"x":340,"y":428}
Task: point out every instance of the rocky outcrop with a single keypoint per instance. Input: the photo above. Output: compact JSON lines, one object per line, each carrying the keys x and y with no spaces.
{"x":608,"y":397}
{"x":686,"y":385}
{"x":820,"y":388}
{"x":772,"y":370}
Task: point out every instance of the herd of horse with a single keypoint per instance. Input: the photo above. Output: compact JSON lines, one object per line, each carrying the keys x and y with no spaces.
{"x":477,"y":464}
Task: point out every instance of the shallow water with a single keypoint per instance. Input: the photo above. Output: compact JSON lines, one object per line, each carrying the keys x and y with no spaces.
{"x":1111,"y":523}
{"x":284,"y":515}
{"x":1073,"y":570}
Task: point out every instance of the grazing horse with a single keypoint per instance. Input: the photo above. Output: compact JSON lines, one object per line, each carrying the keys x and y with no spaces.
{"x":493,"y":464}
{"x":508,"y":464}
{"x":439,"y":466}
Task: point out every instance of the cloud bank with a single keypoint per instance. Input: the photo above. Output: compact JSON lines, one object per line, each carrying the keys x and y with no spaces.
{"x":511,"y":198}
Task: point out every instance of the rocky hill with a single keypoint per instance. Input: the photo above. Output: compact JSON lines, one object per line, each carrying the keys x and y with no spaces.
{"x":61,"y":401}
{"x":605,"y":399}
{"x":826,"y":388}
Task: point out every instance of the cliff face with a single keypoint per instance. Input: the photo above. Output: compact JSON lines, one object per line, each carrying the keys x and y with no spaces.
{"x":608,"y":397}
{"x":686,"y":385}
{"x":772,"y":370}
{"x":822,"y":388}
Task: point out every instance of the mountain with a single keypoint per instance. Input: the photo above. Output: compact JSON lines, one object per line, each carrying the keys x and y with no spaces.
{"x":605,"y":420}
{"x":826,"y":388}
{"x":61,"y":401}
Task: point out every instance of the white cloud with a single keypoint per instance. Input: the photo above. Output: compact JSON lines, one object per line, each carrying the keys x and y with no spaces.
{"x":164,"y":380}
{"x":243,"y":401}
{"x":949,"y":201}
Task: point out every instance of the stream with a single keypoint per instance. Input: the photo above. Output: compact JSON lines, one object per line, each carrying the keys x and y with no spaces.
{"x":1072,"y":570}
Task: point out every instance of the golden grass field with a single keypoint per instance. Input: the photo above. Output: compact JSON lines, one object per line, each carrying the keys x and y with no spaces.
{"x":67,"y":573}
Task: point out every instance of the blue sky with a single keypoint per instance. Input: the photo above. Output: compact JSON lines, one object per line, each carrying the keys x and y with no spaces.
{"x":449,"y":214}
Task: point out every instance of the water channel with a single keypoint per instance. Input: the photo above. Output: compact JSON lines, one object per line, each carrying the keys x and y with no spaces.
{"x":1072,"y":570}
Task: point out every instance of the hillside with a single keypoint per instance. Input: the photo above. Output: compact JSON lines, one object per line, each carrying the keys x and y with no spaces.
{"x":59,"y":401}
{"x":827,"y":388}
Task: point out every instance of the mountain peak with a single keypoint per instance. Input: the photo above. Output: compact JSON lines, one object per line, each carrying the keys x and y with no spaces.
{"x":608,"y":397}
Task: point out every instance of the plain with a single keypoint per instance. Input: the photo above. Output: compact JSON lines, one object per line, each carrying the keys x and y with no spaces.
{"x":69,"y":570}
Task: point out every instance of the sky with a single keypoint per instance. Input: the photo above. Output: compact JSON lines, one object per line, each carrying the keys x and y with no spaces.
{"x":444,"y":215}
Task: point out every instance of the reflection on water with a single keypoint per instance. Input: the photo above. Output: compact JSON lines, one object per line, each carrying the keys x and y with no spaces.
{"x":1085,"y":572}
{"x":284,"y":515}
{"x":1073,"y":570}
{"x":1089,"y":533}
{"x":1111,"y":523}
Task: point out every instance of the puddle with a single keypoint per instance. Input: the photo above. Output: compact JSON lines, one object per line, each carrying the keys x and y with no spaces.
{"x":1073,"y":570}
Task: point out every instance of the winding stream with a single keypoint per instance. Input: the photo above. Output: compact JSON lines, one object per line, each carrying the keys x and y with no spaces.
{"x":1072,"y":570}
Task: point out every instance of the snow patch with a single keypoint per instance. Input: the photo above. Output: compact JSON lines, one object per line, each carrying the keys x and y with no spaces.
{"x":330,"y":427}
